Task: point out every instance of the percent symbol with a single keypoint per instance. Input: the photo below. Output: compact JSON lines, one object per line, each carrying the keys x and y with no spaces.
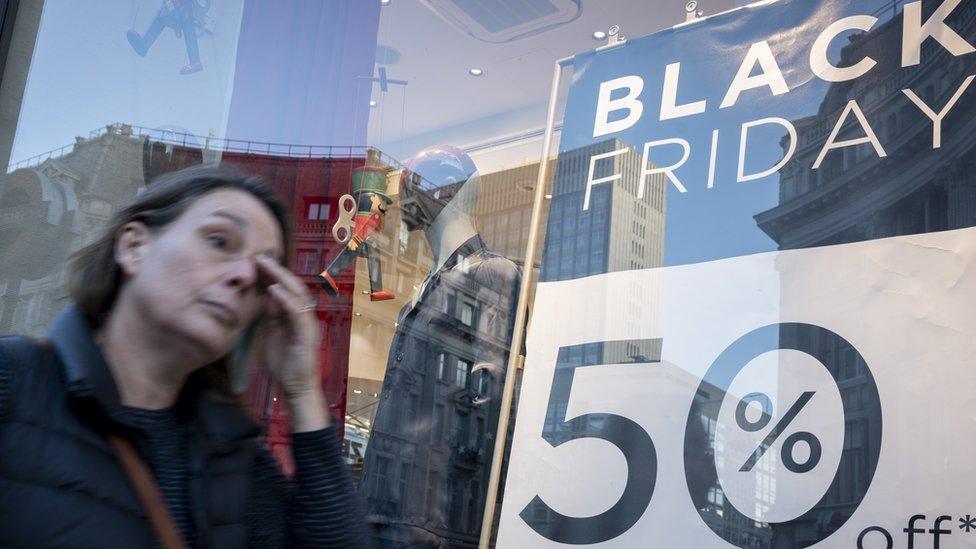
{"x":786,"y":453}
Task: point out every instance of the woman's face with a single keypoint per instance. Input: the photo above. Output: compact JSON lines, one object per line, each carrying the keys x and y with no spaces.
{"x":197,"y":277}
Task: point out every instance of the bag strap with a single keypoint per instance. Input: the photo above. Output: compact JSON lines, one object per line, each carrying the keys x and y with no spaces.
{"x":149,"y":495}
{"x":143,"y":483}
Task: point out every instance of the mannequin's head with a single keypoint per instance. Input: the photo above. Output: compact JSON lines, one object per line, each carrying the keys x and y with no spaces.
{"x":437,"y":178}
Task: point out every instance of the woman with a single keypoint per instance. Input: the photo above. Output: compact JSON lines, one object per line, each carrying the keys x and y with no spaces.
{"x":184,"y":284}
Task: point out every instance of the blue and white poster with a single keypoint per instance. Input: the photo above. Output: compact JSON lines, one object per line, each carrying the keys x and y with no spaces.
{"x":754,"y":326}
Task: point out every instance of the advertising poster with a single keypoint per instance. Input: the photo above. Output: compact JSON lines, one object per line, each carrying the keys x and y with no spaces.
{"x":754,"y":326}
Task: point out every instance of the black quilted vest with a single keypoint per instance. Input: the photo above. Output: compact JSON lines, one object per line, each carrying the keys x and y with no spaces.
{"x":60,"y":482}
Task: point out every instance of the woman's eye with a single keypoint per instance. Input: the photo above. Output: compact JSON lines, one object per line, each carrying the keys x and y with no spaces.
{"x":217,"y":241}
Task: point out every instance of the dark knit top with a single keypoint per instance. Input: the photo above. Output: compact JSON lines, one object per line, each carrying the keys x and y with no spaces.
{"x":317,"y":462}
{"x":322,"y":508}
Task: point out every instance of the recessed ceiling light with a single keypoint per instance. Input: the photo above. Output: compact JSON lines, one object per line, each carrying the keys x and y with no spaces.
{"x":359,"y":314}
{"x":358,"y":391}
{"x":372,"y":102}
{"x":599,"y":35}
{"x":548,"y":197}
{"x":475,"y":72}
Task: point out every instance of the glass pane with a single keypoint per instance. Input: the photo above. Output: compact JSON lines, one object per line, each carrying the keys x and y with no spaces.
{"x":415,"y":130}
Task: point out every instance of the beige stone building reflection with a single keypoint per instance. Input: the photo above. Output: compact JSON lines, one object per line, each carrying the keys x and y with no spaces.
{"x":53,"y":205}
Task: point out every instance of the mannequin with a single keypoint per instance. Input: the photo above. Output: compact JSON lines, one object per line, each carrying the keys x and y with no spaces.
{"x":426,"y":467}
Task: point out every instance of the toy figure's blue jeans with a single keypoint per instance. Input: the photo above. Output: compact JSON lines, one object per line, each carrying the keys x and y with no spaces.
{"x":180,"y":18}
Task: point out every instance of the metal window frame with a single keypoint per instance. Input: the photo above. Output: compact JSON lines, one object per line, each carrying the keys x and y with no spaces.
{"x":8,"y":15}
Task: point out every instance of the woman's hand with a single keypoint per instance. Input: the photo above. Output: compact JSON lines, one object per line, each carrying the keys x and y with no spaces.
{"x":286,"y":337}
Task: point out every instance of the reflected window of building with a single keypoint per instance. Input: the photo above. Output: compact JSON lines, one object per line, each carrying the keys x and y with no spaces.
{"x":467,"y":314}
{"x":461,"y":373}
{"x":317,"y":210}
{"x":460,"y":430}
{"x":403,"y":238}
{"x":307,"y":262}
{"x":441,"y":359}
{"x":484,"y":383}
{"x":376,"y":490}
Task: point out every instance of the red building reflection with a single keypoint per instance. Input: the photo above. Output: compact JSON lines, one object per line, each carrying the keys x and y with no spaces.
{"x":312,"y":187}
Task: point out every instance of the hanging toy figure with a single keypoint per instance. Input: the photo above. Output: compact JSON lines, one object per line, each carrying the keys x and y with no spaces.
{"x":181,"y":16}
{"x":360,"y":220}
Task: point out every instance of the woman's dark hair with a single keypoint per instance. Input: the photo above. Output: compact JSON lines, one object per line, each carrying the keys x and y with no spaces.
{"x":95,"y":277}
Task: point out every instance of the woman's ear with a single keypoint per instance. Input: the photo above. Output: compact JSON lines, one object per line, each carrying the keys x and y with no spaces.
{"x":131,"y":244}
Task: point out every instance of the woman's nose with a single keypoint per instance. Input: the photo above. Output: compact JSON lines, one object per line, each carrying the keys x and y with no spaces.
{"x":243,"y":273}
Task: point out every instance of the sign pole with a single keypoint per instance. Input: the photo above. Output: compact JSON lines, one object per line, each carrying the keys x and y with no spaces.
{"x":521,"y":312}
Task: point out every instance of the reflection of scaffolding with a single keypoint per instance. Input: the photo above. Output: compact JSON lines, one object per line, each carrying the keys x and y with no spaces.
{"x":185,"y":139}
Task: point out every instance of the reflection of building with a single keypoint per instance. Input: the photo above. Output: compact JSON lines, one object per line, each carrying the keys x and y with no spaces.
{"x":57,"y":203}
{"x":311,"y":185}
{"x":857,"y":196}
{"x":406,"y":260}
{"x":441,"y":361}
{"x":502,"y":215}
{"x":69,"y":196}
{"x":618,"y":232}
{"x":504,"y":209}
{"x":715,"y":442}
{"x":426,"y":471}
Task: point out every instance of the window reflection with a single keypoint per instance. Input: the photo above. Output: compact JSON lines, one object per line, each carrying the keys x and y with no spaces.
{"x":433,"y":426}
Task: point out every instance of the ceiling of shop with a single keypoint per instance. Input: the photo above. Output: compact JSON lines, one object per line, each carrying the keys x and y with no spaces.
{"x":441,"y":102}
